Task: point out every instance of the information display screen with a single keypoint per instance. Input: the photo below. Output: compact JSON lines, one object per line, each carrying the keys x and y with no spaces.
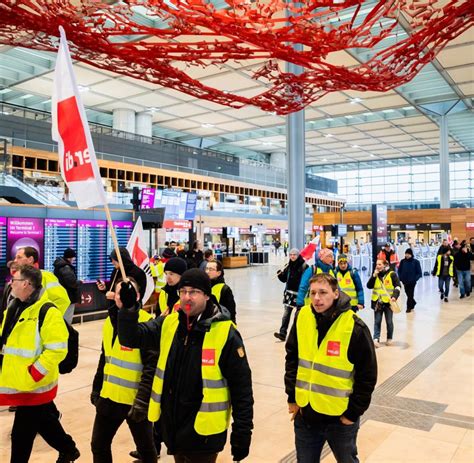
{"x":22,"y":232}
{"x":59,"y":234}
{"x":123,"y":230}
{"x":179,"y":205}
{"x":3,"y":241}
{"x":92,"y":256}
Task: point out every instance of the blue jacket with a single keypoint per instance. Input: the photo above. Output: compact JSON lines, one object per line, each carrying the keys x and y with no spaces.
{"x":357,"y":283}
{"x":304,"y":284}
{"x":409,"y":270}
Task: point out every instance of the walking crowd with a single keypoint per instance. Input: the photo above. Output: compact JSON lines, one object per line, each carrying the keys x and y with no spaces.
{"x":181,"y":376}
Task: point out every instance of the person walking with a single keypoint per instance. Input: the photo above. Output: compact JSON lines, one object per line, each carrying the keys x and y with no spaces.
{"x":202,"y":376}
{"x":121,"y":390}
{"x":350,"y":283}
{"x":409,"y":273}
{"x":29,"y":372}
{"x":385,"y":287}
{"x":169,"y":297}
{"x":462,"y":264}
{"x":388,"y":254}
{"x":66,"y":274}
{"x":443,"y":269}
{"x":220,"y":289}
{"x":323,"y":264}
{"x":290,"y":275}
{"x":330,"y":373}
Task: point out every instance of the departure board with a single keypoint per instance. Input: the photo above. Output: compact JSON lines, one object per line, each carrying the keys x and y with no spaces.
{"x":92,"y":255}
{"x":3,"y":241}
{"x":123,"y":230}
{"x":59,"y":234}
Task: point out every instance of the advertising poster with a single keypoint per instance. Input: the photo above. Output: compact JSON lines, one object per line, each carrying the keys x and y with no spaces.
{"x":23,"y":232}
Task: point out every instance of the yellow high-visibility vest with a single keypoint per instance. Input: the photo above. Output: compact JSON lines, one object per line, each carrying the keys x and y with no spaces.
{"x":163,"y":302}
{"x":160,"y":278}
{"x":214,"y":413}
{"x":438,"y":266}
{"x":123,"y":366}
{"x":57,"y":294}
{"x":347,"y":286}
{"x":217,"y":291}
{"x":379,"y":293}
{"x":325,"y":375}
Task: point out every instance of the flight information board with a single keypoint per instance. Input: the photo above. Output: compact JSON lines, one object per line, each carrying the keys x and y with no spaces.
{"x":123,"y":230}
{"x":92,"y":255}
{"x":179,"y":205}
{"x":59,"y":234}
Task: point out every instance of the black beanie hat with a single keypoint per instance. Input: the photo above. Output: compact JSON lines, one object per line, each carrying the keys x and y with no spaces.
{"x":196,"y":279}
{"x":176,"y":265}
{"x":69,"y":253}
{"x":409,"y":251}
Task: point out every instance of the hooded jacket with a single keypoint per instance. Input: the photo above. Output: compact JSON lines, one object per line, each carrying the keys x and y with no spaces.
{"x":361,"y":353}
{"x":182,"y":389}
{"x":66,"y":274}
{"x":409,"y":271}
{"x":292,"y":273}
{"x":308,"y":273}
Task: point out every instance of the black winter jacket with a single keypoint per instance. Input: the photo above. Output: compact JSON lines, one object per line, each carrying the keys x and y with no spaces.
{"x":66,"y":274}
{"x":182,"y":389}
{"x":227,"y":297}
{"x":462,"y":260}
{"x":361,"y":353}
{"x":149,"y":360}
{"x":292,"y":273}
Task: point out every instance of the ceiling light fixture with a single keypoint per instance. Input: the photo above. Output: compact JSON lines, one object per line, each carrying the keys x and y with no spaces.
{"x":207,"y":126}
{"x":328,"y":135}
{"x":25,"y":97}
{"x":355,"y":146}
{"x":329,"y":119}
{"x":5,"y":90}
{"x":153,"y":109}
{"x":83,"y":88}
{"x":355,"y":100}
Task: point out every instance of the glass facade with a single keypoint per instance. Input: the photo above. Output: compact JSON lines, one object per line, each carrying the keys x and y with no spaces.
{"x":402,"y":183}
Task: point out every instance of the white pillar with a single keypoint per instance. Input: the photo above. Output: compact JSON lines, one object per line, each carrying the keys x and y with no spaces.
{"x":143,"y":124}
{"x":278,"y":160}
{"x":444,"y":163}
{"x":124,"y":120}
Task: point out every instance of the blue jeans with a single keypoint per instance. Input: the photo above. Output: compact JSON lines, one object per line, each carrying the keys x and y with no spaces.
{"x":464,"y":281}
{"x":388,"y":320}
{"x":443,"y":284}
{"x":310,"y":439}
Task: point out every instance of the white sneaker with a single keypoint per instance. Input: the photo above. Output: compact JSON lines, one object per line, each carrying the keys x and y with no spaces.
{"x":389,"y":342}
{"x":377,"y":343}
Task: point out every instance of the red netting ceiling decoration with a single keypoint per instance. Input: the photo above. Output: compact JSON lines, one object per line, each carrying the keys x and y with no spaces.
{"x":164,"y":42}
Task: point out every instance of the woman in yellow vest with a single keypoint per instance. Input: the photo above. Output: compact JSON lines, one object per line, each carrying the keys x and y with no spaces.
{"x":121,"y":390}
{"x":330,"y":373}
{"x":385,"y":286}
{"x":169,"y":298}
{"x":202,"y":376}
{"x":220,"y":289}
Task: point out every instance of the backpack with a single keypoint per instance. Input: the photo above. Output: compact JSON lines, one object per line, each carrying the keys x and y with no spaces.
{"x":72,"y":357}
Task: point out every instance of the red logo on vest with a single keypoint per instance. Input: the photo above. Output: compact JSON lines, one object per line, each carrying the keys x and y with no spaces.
{"x":127,"y":349}
{"x":334,"y":349}
{"x":209,"y":357}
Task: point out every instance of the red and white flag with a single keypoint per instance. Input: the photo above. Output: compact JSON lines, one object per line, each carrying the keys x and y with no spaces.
{"x":307,"y":253}
{"x":137,"y":249}
{"x":70,"y":129}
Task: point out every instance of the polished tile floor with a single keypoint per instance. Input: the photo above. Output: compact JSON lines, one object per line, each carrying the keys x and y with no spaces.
{"x":422,"y":410}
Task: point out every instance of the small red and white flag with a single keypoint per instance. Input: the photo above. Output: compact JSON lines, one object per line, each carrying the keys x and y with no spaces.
{"x":137,"y":249}
{"x":308,"y":252}
{"x":70,"y":129}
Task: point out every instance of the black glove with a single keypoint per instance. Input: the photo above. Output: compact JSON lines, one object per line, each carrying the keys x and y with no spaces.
{"x":138,"y":413}
{"x":240,"y":445}
{"x":128,"y":295}
{"x":94,"y":397}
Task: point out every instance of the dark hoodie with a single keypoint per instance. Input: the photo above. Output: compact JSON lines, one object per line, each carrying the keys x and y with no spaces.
{"x":182,"y":389}
{"x":131,"y":270}
{"x":66,"y":274}
{"x":292,"y":273}
{"x":227,"y":297}
{"x":361,"y":353}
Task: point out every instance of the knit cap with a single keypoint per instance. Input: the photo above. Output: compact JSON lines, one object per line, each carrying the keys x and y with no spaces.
{"x":176,"y":265}
{"x":69,"y":253}
{"x":342,"y":257}
{"x":198,"y":279}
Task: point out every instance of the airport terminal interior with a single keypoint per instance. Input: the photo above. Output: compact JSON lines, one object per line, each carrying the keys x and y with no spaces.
{"x":218,"y":126}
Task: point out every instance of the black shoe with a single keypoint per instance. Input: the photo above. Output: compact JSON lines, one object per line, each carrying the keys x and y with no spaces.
{"x":68,"y":457}
{"x":462,"y":297}
{"x":409,"y":310}
{"x":136,"y":454}
{"x":279,"y":336}
{"x":441,"y":296}
{"x":445,"y":299}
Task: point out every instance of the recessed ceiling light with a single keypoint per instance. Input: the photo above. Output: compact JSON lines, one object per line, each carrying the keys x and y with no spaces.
{"x":372,"y":155}
{"x":388,"y":110}
{"x":329,"y":119}
{"x":325,"y":160}
{"x":355,"y":146}
{"x":207,"y":126}
{"x":355,"y":100}
{"x":83,"y":88}
{"x":28,"y":95}
{"x":348,"y":116}
{"x":328,"y":135}
{"x":370,"y":113}
{"x":267,"y":143}
{"x":5,"y":90}
{"x":153,"y":109}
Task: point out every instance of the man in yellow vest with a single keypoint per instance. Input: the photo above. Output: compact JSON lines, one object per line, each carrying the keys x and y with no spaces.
{"x":29,"y":359}
{"x":443,"y":269}
{"x":350,"y":283}
{"x":57,"y":294}
{"x":121,"y":390}
{"x":221,"y":291}
{"x":202,"y":376}
{"x":330,"y":373}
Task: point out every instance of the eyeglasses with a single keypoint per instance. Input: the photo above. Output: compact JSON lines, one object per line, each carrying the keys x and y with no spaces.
{"x":190,"y":292}
{"x":18,"y":279}
{"x":211,"y":269}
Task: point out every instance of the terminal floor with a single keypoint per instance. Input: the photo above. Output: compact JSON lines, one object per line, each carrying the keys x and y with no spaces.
{"x":422,"y":409}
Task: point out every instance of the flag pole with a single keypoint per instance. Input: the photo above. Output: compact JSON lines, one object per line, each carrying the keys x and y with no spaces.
{"x":114,"y":239}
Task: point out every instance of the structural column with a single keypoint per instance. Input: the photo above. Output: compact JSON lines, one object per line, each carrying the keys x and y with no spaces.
{"x":445,"y":202}
{"x":124,"y":120}
{"x":144,"y":124}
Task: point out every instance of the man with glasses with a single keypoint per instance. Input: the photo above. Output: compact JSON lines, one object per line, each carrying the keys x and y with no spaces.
{"x":330,"y":373}
{"x":220,"y":289}
{"x":29,"y":359}
{"x":202,"y":376}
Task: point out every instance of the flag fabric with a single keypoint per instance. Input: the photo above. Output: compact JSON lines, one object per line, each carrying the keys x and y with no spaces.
{"x":308,"y":252}
{"x":70,"y":129}
{"x":137,"y":249}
